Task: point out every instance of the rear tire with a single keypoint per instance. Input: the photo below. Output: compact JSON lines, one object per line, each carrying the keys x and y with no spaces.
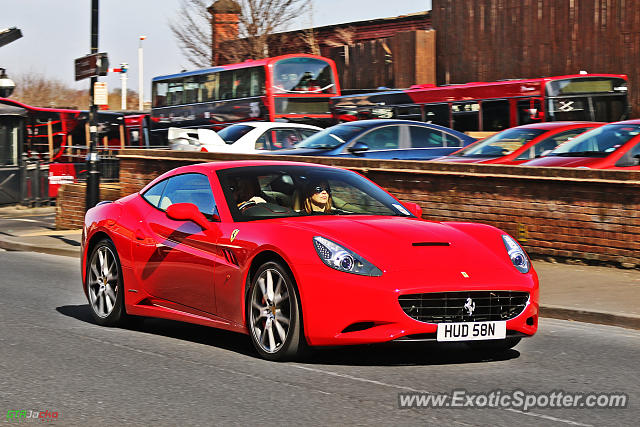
{"x":105,"y":287}
{"x":274,"y":317}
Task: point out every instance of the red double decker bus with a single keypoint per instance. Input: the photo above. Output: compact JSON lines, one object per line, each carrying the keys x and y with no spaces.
{"x":61,"y":137}
{"x":294,"y":88}
{"x":495,"y":106}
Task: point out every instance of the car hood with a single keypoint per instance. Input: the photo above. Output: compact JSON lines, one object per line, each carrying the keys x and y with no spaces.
{"x":561,"y":161}
{"x":400,"y":244}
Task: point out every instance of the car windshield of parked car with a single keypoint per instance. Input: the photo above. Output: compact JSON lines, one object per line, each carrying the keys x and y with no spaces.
{"x":232,"y":133}
{"x":331,"y":137}
{"x":599,"y":142}
{"x":260,"y":192}
{"x":501,"y":144}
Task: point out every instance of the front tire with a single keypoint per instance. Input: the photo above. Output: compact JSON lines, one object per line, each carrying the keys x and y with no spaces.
{"x":105,"y":288}
{"x":274,"y":317}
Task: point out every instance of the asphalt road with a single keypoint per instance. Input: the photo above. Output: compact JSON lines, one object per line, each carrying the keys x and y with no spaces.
{"x":52,"y":357}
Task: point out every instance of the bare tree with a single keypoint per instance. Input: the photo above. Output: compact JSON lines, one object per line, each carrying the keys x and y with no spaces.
{"x":38,"y":90}
{"x":258,"y":20}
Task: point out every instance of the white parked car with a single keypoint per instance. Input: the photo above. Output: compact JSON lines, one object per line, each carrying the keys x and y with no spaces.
{"x":246,"y":137}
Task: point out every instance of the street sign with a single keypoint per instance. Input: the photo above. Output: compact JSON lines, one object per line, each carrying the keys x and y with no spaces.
{"x":7,"y":35}
{"x":93,"y":65}
{"x":100,"y":93}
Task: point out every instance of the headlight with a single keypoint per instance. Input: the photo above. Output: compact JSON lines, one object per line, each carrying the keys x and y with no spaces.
{"x":516,"y":253}
{"x":342,"y":259}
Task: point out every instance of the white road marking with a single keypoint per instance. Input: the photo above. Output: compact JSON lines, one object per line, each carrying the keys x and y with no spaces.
{"x":401,"y":387}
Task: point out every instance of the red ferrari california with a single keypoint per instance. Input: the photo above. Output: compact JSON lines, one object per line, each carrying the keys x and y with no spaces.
{"x":297,"y":255}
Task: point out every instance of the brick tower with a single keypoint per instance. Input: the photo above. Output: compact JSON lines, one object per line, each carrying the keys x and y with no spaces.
{"x":225,"y":15}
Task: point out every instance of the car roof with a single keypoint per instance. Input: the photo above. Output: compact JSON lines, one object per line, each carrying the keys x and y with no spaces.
{"x":212,"y":167}
{"x":627,"y":122}
{"x":554,"y":125}
{"x":370,"y":123}
{"x":277,"y":125}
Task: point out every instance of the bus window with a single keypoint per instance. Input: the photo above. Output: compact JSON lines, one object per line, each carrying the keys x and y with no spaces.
{"x":609,"y":109}
{"x":529,"y":111}
{"x":209,"y":87}
{"x":411,"y":112}
{"x":257,"y":82}
{"x":437,"y":114}
{"x":226,"y":85}
{"x":191,"y":89}
{"x":569,"y":109}
{"x":242,"y":83}
{"x":495,"y":115}
{"x":465,"y":116}
{"x":175,"y":93}
{"x":160,"y":94}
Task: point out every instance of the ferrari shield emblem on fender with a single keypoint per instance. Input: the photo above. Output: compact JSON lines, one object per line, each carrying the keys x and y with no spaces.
{"x":464,"y":274}
{"x":234,"y":233}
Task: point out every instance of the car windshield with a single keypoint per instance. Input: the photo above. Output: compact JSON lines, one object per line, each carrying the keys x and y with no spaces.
{"x":232,"y":133}
{"x":260,"y":192}
{"x":501,"y":144}
{"x":599,"y":142}
{"x":331,"y":137}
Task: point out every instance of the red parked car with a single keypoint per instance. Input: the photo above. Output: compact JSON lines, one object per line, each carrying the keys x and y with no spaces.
{"x":612,"y":146}
{"x":296,"y":254}
{"x":520,"y":144}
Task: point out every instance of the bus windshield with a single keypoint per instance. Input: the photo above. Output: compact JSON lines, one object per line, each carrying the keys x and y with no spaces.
{"x":303,"y":75}
{"x":501,"y":144}
{"x":599,"y":142}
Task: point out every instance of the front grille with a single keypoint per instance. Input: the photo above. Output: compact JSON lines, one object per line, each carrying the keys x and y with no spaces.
{"x":445,"y":307}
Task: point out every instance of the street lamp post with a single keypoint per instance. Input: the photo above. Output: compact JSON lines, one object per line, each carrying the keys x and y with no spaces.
{"x":93,"y":176}
{"x":140,"y":74}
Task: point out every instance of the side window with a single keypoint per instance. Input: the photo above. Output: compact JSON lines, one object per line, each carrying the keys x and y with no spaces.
{"x":550,"y":143}
{"x":423,"y":137}
{"x":209,"y":87}
{"x":411,"y":112}
{"x":629,"y":158}
{"x":264,"y":142}
{"x":438,"y":114}
{"x":495,"y":115}
{"x":226,"y":85}
{"x":452,"y":141}
{"x":189,"y":188}
{"x":466,"y":116}
{"x":384,"y":138}
{"x":175,"y":94}
{"x":306,"y":133}
{"x":284,"y":138}
{"x":154,"y":194}
{"x":529,"y":111}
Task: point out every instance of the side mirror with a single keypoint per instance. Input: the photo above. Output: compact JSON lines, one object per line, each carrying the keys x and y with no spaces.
{"x":358,"y":147}
{"x":188,"y":212}
{"x":414,"y":208}
{"x":636,"y":159}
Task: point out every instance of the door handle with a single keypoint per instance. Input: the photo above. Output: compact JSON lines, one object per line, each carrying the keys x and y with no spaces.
{"x":140,"y":235}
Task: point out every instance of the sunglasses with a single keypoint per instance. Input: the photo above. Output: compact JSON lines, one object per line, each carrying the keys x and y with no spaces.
{"x":320,"y":188}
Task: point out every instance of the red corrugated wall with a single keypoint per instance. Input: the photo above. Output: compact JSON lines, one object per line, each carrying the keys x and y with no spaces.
{"x":487,"y":40}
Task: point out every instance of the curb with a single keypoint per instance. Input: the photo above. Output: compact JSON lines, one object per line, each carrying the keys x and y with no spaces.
{"x":628,"y":321}
{"x":51,"y":250}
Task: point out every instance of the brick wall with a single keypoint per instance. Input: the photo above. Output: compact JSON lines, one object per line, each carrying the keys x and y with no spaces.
{"x":70,"y":203}
{"x":591,"y":215}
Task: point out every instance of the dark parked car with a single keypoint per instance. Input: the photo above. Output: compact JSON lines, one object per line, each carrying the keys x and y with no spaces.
{"x":382,"y":139}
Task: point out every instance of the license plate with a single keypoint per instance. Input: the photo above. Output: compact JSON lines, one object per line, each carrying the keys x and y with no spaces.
{"x":472,"y":331}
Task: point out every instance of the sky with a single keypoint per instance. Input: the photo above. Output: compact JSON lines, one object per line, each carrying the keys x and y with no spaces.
{"x":56,"y":32}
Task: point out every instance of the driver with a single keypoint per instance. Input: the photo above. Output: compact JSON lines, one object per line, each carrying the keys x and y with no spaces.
{"x":246,"y":192}
{"x":318,"y":198}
